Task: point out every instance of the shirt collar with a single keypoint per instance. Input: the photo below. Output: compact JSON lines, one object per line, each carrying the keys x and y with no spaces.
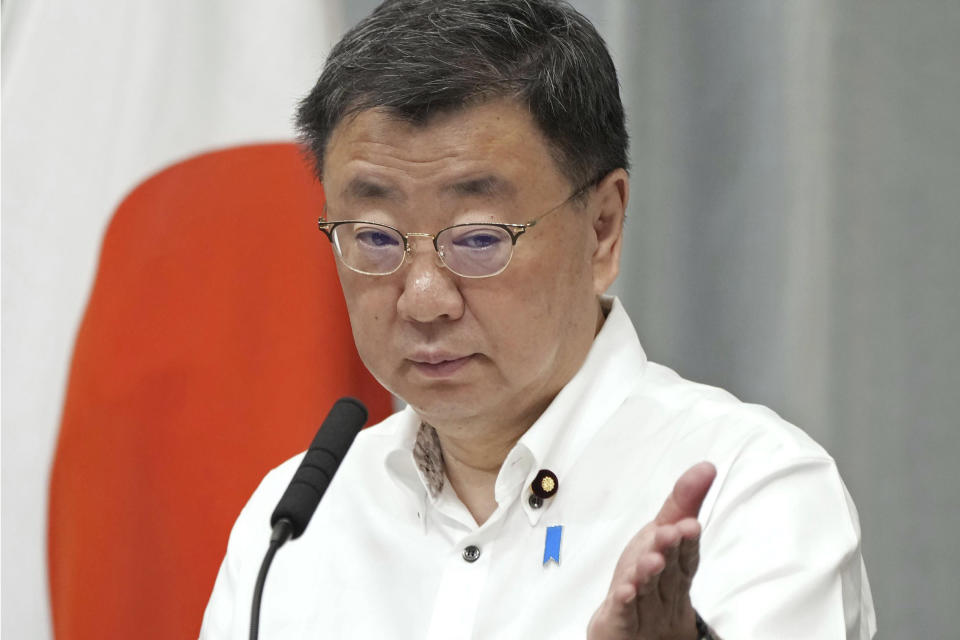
{"x":613,"y":364}
{"x":400,"y":462}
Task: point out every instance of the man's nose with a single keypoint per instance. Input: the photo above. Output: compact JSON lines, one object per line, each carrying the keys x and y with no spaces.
{"x":430,"y":290}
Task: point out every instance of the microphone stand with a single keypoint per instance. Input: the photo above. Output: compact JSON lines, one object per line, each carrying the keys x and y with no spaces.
{"x":281,"y":533}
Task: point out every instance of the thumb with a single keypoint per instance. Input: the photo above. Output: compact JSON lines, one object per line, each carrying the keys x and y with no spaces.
{"x":688,"y":494}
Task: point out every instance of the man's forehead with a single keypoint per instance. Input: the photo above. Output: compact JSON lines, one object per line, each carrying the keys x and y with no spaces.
{"x":477,"y":151}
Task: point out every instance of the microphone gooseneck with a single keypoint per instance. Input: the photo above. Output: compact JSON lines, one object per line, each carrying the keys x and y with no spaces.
{"x":313,"y":476}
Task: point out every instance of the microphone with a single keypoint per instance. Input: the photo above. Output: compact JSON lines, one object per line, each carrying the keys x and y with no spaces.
{"x":300,"y":500}
{"x":309,"y":483}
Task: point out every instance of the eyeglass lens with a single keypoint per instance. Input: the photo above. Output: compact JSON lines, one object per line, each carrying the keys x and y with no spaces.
{"x":470,"y":250}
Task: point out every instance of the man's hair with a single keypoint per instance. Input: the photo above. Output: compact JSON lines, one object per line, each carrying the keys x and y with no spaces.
{"x":418,"y":58}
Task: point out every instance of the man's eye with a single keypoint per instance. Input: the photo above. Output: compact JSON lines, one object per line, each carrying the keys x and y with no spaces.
{"x":375,"y":238}
{"x":478,"y":240}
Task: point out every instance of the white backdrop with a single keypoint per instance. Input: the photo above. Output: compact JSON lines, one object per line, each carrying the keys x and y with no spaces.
{"x":97,"y":96}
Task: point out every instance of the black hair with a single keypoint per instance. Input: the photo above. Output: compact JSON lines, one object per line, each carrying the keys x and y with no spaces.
{"x":417,"y":58}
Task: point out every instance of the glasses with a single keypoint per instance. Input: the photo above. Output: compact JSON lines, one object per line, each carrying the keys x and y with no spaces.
{"x":471,"y":250}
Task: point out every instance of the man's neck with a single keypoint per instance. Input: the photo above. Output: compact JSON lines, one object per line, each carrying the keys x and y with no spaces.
{"x":473,"y":474}
{"x":473,"y":450}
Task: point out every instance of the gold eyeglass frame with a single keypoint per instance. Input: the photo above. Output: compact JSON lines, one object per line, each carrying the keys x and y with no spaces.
{"x":512,"y":229}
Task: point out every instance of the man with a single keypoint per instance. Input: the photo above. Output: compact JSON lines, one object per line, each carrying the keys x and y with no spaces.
{"x":545,"y":481}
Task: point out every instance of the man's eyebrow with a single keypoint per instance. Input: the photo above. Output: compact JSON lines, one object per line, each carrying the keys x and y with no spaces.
{"x":482,"y":186}
{"x":364,"y":189}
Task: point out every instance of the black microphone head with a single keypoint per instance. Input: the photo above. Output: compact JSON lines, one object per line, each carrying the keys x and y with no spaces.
{"x":312,"y":477}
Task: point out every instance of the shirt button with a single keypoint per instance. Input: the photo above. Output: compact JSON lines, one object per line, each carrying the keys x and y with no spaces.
{"x":471,"y":553}
{"x":535,"y":501}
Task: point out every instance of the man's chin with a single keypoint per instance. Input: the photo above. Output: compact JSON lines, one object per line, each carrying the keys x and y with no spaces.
{"x":446,"y":403}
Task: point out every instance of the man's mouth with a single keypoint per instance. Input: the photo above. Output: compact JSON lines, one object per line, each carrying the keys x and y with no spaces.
{"x":439,"y":365}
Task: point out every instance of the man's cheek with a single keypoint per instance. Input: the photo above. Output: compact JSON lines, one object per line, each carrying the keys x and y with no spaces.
{"x":368,"y":308}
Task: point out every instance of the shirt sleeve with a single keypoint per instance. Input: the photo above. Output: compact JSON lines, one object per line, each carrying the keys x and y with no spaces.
{"x":222,"y":619}
{"x":780,"y":554}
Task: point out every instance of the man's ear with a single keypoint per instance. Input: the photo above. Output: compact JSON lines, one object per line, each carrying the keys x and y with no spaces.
{"x":609,"y":210}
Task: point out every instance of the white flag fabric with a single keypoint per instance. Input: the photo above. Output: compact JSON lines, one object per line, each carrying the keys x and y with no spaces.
{"x":97,"y":97}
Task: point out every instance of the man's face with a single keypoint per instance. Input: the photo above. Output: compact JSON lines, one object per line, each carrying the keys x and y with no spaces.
{"x":463,"y":351}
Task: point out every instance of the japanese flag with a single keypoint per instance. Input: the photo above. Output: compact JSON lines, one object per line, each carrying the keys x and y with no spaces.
{"x":99,"y":97}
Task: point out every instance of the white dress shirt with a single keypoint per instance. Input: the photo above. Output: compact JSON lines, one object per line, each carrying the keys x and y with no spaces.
{"x":384,"y":556}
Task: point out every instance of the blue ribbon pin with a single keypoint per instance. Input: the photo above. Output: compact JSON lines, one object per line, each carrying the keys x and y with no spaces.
{"x":551,"y":547}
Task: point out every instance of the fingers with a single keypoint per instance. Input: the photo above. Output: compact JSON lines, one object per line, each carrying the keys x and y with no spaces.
{"x":650,"y":591}
{"x":667,"y":543}
{"x":649,"y":606}
{"x":670,"y":547}
{"x":669,"y":582}
{"x":616,"y":619}
{"x":688,"y":494}
{"x":657,"y":564}
{"x":689,"y":556}
{"x":648,"y":568}
{"x":666,"y":597}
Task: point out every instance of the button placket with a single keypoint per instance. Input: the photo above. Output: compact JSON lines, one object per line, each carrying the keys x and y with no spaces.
{"x":461,"y":588}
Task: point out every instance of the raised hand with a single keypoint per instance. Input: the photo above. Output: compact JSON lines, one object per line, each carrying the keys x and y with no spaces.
{"x":649,"y":596}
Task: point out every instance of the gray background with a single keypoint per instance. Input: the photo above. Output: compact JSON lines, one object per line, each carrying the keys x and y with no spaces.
{"x":792,"y":237}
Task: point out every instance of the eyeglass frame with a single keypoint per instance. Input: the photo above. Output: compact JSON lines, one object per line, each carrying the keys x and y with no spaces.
{"x":514,"y":230}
